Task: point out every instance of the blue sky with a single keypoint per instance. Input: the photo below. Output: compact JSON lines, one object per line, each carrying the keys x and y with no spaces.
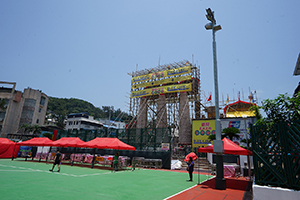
{"x":84,"y":49}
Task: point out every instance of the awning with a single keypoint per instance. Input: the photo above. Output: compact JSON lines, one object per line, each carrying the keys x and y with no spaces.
{"x":37,"y":141}
{"x":7,"y":148}
{"x":68,"y":142}
{"x":229,"y":148}
{"x":108,"y":143}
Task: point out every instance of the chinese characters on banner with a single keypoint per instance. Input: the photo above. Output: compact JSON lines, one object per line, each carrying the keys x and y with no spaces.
{"x":202,"y":129}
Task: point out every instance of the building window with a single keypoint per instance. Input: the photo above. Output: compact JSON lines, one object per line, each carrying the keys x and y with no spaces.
{"x":40,"y":109}
{"x":42,"y":101}
{"x":37,"y":121}
{"x":70,"y":123}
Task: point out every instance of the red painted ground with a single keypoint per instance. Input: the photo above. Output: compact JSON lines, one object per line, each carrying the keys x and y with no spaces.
{"x":235,"y":189}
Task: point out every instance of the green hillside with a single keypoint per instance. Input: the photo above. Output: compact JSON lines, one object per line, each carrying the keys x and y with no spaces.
{"x":63,"y":107}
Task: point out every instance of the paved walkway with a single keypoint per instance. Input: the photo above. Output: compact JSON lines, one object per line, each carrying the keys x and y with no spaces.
{"x":236,"y":188}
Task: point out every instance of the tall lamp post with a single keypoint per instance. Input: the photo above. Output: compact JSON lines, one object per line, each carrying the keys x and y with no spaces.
{"x":220,"y":181}
{"x":247,"y":140}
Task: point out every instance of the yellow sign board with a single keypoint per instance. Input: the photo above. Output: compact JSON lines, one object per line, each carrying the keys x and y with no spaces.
{"x":160,"y":82}
{"x":202,"y":129}
{"x":162,"y":90}
{"x":162,"y":74}
{"x":240,"y":114}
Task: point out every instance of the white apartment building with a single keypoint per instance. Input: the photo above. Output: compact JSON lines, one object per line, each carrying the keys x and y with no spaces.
{"x":113,"y":124}
{"x":82,"y":121}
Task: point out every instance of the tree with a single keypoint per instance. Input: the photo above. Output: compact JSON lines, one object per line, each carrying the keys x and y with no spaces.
{"x":258,"y":116}
{"x":48,"y":135}
{"x":61,"y":121}
{"x":36,"y":129}
{"x":231,"y":132}
{"x":26,"y":127}
{"x":281,"y":109}
{"x":213,"y":137}
{"x":63,"y":106}
{"x":247,"y":141}
{"x":107,"y":111}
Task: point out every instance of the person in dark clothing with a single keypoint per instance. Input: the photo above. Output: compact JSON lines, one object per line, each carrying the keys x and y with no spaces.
{"x":116,"y":161}
{"x":190,"y":168}
{"x":57,"y":161}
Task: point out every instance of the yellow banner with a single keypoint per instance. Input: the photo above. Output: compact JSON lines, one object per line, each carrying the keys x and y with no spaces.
{"x":202,"y":129}
{"x":98,"y":158}
{"x":162,"y":74}
{"x":164,"y":81}
{"x":240,"y":114}
{"x":162,"y":90}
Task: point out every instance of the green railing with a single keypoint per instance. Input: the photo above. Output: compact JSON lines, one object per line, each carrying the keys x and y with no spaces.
{"x":276,"y":154}
{"x":146,"y":139}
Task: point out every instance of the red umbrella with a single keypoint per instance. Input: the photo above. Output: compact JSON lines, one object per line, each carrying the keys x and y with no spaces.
{"x":192,"y":154}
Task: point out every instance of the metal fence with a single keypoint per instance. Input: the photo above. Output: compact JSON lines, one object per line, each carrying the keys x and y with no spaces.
{"x":276,"y":151}
{"x":152,"y":144}
{"x":146,"y":139}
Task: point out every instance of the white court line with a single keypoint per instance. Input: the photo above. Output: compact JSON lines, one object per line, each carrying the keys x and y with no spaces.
{"x":180,"y":192}
{"x":187,"y":189}
{"x":23,"y":169}
{"x":16,"y":170}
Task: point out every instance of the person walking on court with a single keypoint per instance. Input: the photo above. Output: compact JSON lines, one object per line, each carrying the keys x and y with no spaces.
{"x":190,"y":168}
{"x":57,"y":161}
{"x":116,"y":161}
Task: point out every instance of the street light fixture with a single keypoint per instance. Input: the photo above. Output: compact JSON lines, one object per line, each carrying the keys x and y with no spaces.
{"x":220,"y":181}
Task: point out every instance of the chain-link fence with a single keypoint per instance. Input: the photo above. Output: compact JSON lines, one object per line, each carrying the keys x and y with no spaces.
{"x":145,"y":139}
{"x":150,"y":143}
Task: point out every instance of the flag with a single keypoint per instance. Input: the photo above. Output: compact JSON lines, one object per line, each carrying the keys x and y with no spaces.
{"x":227,"y":101}
{"x":208,"y":98}
{"x":251,"y":97}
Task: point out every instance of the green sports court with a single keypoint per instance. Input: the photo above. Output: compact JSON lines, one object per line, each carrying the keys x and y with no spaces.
{"x":20,"y":179}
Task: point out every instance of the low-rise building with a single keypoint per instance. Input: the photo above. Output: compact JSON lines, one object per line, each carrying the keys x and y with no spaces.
{"x":113,"y":124}
{"x":82,"y":121}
